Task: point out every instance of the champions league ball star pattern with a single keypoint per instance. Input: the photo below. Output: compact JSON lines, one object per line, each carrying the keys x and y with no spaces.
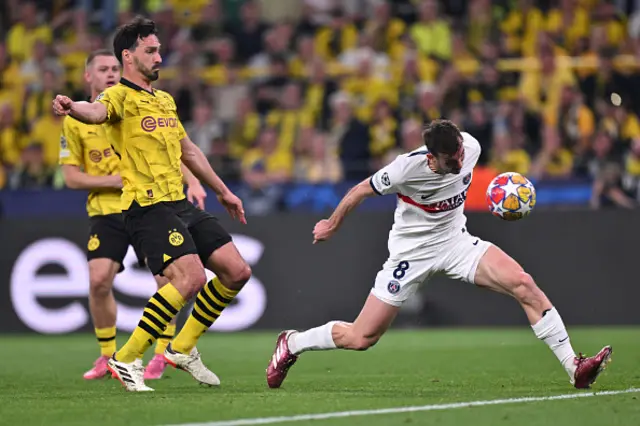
{"x":511,"y":196}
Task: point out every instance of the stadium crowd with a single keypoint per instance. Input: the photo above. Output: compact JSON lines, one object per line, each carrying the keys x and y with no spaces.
{"x":322,"y":91}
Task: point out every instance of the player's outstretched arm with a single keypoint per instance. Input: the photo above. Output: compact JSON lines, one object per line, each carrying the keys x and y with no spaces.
{"x":197,"y":162}
{"x":75,"y":178}
{"x":86,"y":112}
{"x":327,"y":227}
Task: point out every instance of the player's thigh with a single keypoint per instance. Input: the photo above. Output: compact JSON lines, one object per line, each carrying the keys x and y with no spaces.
{"x":106,"y":249}
{"x":398,"y":280}
{"x":158,"y":234}
{"x":499,"y":272}
{"x":462,"y":255}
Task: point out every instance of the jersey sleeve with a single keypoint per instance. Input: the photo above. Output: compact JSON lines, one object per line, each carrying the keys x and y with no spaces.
{"x":113,"y":99}
{"x":70,"y":145}
{"x":390,"y":178}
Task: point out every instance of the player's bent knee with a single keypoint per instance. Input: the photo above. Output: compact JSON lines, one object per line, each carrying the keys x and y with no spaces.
{"x":240,"y":276}
{"x":524,"y":288}
{"x":100,"y":283}
{"x":196,"y":279}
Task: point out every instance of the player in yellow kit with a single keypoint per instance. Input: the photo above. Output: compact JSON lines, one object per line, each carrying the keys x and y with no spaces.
{"x":89,"y":162}
{"x":174,"y":236}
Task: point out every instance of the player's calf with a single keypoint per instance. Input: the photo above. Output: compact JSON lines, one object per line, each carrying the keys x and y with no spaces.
{"x":499,"y":272}
{"x":232,"y":272}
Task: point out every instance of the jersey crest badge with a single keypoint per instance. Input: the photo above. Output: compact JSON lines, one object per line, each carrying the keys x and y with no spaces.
{"x":467,"y":179}
{"x":94,"y":243}
{"x":175,"y":238}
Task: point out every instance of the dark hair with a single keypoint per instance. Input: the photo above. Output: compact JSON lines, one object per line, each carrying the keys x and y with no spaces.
{"x":128,"y":35}
{"x":96,"y":53}
{"x":442,"y":137}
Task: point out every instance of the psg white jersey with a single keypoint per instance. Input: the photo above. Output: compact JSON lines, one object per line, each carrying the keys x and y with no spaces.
{"x":430,"y":206}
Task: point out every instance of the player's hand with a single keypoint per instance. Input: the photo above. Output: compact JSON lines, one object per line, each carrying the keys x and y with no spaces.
{"x":196,"y":192}
{"x":323,"y":231}
{"x":117,"y":181}
{"x":233,"y":205}
{"x":62,"y":105}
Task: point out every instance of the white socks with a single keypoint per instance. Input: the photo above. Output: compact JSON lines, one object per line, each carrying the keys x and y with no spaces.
{"x":315,"y":339}
{"x":551,"y":330}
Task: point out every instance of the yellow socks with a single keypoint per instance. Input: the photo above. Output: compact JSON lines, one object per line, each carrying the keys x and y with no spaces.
{"x":210,"y":303}
{"x":165,"y":338}
{"x":106,"y":340}
{"x":160,"y":310}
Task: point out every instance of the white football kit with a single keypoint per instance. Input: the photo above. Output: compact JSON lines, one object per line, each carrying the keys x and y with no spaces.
{"x":429,"y":233}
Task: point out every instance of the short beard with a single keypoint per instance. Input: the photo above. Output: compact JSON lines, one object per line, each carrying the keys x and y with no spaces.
{"x":148,"y":74}
{"x":152,"y":75}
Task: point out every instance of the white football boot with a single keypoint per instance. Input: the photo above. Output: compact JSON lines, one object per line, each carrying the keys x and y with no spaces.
{"x":192,"y":364}
{"x":131,"y":375}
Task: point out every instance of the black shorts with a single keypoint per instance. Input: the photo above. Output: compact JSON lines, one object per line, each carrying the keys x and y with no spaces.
{"x":108,"y":238}
{"x":165,"y":231}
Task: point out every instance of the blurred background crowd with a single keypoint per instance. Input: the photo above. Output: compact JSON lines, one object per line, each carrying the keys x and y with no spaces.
{"x":279,"y":92}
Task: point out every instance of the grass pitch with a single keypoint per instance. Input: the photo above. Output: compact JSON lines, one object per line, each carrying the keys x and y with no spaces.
{"x":41,"y":381}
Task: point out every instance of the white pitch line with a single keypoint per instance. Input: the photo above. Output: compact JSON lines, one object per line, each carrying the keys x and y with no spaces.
{"x":434,"y":407}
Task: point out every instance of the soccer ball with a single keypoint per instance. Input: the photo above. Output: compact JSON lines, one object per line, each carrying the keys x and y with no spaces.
{"x":511,"y":196}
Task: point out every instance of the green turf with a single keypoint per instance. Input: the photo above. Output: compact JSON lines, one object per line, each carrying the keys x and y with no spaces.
{"x":41,"y":381}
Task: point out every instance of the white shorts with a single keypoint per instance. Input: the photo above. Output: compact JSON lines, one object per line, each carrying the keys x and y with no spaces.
{"x":457,"y":258}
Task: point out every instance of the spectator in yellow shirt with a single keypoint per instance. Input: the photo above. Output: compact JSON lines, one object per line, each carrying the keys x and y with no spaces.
{"x":620,"y":122}
{"x":383,"y":133}
{"x":266,"y":165}
{"x":541,"y":87}
{"x":521,"y":27}
{"x":11,"y":85}
{"x":553,"y":160}
{"x":37,"y":103}
{"x":244,"y":128}
{"x":10,"y":137}
{"x":366,"y":88}
{"x":24,"y":33}
{"x":568,"y":23}
{"x":318,"y":163}
{"x":46,"y":133}
{"x":432,"y":34}
{"x":290,"y":118}
{"x":385,"y":31}
{"x":338,"y":37}
{"x":575,"y":120}
{"x":507,"y":156}
{"x":300,"y":65}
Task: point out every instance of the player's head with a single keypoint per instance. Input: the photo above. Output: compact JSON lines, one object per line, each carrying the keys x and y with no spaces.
{"x":444,"y":142}
{"x":101,"y":70}
{"x":137,"y":47}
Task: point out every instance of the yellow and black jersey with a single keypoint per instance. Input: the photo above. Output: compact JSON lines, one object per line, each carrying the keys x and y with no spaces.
{"x":145,"y":131}
{"x":86,"y":146}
